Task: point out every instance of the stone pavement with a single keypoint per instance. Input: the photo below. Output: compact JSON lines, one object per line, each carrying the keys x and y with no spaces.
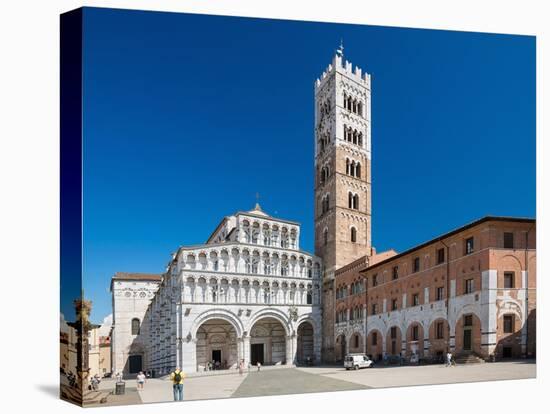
{"x":293,"y":380}
{"x":290,"y":381}
{"x":395,"y":376}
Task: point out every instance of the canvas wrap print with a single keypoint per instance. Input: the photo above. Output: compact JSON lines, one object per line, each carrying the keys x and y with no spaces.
{"x":246,"y":212}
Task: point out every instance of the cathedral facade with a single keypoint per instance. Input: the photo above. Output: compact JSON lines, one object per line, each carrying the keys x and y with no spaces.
{"x":248,"y":294}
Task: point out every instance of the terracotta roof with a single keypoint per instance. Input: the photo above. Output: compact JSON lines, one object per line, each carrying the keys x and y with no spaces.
{"x":137,"y":276}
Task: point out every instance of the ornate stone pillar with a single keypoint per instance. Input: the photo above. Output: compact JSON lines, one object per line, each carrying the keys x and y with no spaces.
{"x":291,"y":348}
{"x":246,"y":349}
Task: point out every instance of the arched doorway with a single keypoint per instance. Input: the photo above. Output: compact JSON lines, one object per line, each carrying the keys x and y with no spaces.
{"x":393,"y":341}
{"x":468,"y":334}
{"x":340,"y":348}
{"x":267,"y":342}
{"x":356,"y":343}
{"x":415,"y":340}
{"x":439,"y":337}
{"x":216,"y":345}
{"x":375,"y":348}
{"x":305,"y":342}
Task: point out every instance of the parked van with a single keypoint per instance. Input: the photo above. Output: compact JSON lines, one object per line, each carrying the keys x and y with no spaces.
{"x":356,"y":361}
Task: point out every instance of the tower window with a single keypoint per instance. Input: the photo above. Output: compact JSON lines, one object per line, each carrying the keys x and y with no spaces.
{"x":356,"y":202}
{"x":350,"y":200}
{"x":135,"y":326}
{"x":353,"y":235}
{"x":325,"y":237}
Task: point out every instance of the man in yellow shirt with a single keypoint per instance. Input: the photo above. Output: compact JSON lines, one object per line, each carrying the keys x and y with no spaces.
{"x":177,"y":378}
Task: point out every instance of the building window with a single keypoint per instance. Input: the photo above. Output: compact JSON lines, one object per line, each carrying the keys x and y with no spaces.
{"x":309,"y":299}
{"x":416,"y":264}
{"x":353,"y":235}
{"x":395,"y":272}
{"x":467,"y":320}
{"x":440,"y":255}
{"x":375,"y":280}
{"x":356,"y":341}
{"x":439,"y":330}
{"x":468,"y":286}
{"x":469,"y":245}
{"x":135,"y":326}
{"x":394,"y":304}
{"x":374,"y":309}
{"x":375,"y":338}
{"x":393,"y":332}
{"x":508,"y":240}
{"x":325,"y":237}
{"x":508,"y":323}
{"x":415,"y":300}
{"x":415,"y":333}
{"x":508,"y":280}
{"x":439,"y":293}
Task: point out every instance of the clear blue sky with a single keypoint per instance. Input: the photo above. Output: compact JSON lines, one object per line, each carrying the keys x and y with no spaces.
{"x":186,"y":117}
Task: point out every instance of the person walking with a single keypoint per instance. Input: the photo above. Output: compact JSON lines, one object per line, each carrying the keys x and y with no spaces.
{"x":177,"y":383}
{"x":140,"y":380}
{"x":259,"y":365}
{"x":449,"y":359}
{"x":241,"y":367}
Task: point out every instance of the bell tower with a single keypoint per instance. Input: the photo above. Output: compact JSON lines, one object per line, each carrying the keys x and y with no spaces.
{"x":342,"y":164}
{"x":342,"y":176}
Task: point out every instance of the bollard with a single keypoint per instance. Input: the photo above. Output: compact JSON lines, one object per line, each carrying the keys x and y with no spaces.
{"x":120,"y":388}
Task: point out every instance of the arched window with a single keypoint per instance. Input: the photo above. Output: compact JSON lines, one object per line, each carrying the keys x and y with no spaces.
{"x":356,"y":202}
{"x":360,"y":139}
{"x":347,"y":166}
{"x":325,"y":237}
{"x":358,"y":170}
{"x":355,"y":137}
{"x":309,"y":299}
{"x":360,"y":108}
{"x":353,"y":235}
{"x":352,"y":169}
{"x":135,"y":326}
{"x":350,"y":200}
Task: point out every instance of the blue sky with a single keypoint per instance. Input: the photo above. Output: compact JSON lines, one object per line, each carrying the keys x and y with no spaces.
{"x":186,"y":117}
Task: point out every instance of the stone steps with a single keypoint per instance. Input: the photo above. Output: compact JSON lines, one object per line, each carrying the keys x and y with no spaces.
{"x":468,"y":358}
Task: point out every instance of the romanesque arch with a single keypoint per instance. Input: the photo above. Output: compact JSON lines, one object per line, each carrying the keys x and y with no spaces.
{"x":415,"y":340}
{"x":439,"y":336}
{"x":393,"y":340}
{"x":305,"y":342}
{"x":375,"y":344}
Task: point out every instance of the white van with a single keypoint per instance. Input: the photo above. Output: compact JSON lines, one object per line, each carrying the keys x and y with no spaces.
{"x":356,"y":361}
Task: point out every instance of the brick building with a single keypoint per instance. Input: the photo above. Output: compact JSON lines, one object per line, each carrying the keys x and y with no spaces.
{"x":470,"y":291}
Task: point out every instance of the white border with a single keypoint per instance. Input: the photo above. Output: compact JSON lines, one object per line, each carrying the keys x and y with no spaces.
{"x":29,"y":159}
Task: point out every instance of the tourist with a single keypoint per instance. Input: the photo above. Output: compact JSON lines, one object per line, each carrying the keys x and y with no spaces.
{"x":94,"y":382}
{"x":259,"y":366}
{"x":449,"y":359}
{"x":140,"y":380}
{"x":177,"y":383}
{"x":241,"y":367}
{"x":119,"y":377}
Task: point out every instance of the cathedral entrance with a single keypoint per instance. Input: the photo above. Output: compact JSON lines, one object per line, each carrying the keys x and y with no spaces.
{"x":305,"y":343}
{"x":135,"y":364}
{"x":217,"y":356}
{"x":216,"y":345}
{"x":257,"y":354}
{"x":268,"y":342}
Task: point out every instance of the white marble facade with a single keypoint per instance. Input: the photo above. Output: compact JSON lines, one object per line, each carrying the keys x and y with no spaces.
{"x":249,"y":293}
